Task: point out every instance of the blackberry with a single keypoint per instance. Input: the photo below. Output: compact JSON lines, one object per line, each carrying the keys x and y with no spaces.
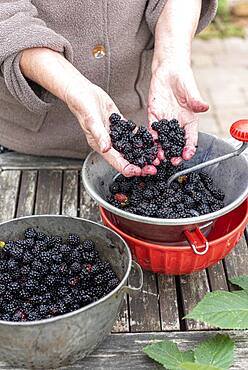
{"x":43,"y":310}
{"x":114,"y":188}
{"x":73,"y":239}
{"x":45,"y":257}
{"x":88,"y":245}
{"x":12,"y":265}
{"x":19,"y":315}
{"x":41,"y":236}
{"x":112,"y":284}
{"x":217,"y":193}
{"x":13,"y":287}
{"x":30,"y":286}
{"x":89,"y":256}
{"x":16,"y":253}
{"x":76,"y":267}
{"x":30,"y":233}
{"x":27,"y":257}
{"x":114,"y":118}
{"x":57,"y":258}
{"x":65,"y":250}
{"x":148,"y":194}
{"x":2,"y":289}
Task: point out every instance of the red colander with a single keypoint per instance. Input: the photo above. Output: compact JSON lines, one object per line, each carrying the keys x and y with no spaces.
{"x":202,"y":253}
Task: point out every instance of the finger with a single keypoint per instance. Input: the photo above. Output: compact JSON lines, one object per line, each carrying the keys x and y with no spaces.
{"x":148,"y":170}
{"x":95,"y":129}
{"x":156,"y":162}
{"x":175,"y":161}
{"x":191,"y":136}
{"x":116,"y":160}
{"x":160,"y":155}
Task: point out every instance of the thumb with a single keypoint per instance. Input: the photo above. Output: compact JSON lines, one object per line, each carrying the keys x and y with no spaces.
{"x":188,"y":95}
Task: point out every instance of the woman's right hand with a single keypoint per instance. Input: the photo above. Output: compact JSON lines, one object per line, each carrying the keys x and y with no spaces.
{"x":89,"y":103}
{"x":92,"y":106}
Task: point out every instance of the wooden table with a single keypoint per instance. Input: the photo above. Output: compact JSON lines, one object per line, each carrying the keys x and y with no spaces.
{"x":30,"y":185}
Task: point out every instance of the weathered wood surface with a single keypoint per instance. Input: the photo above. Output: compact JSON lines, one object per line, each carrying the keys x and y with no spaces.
{"x":124,"y":351}
{"x":193,"y":289}
{"x":17,"y":161}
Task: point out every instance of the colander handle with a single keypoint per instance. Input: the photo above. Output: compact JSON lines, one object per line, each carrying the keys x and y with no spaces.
{"x":197,"y":241}
{"x":130,"y":289}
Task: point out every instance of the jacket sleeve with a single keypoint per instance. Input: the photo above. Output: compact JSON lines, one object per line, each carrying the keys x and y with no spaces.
{"x":155,"y":8}
{"x":21,"y":29}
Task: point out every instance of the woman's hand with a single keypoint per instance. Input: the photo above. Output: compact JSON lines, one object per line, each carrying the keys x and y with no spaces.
{"x":92,"y":106}
{"x":174,"y":94}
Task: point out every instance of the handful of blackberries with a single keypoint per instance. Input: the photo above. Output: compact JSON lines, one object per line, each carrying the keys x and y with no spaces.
{"x":137,"y":145}
{"x":188,"y":196}
{"x":43,"y":276}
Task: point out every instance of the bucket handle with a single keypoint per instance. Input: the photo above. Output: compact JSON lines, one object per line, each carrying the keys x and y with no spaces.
{"x":130,"y":289}
{"x":197,"y":241}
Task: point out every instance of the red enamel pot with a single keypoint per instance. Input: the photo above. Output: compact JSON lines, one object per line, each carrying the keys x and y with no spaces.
{"x":202,"y":253}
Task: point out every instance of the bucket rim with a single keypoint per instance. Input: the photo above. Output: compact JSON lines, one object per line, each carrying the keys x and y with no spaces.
{"x":117,"y":290}
{"x":152,"y":220}
{"x":176,"y":248}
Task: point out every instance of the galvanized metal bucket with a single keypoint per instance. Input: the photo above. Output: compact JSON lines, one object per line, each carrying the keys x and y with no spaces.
{"x":231,"y":176}
{"x":67,"y":338}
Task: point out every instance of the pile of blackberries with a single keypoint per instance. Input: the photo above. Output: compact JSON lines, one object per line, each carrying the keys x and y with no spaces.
{"x":135,"y":144}
{"x":171,"y":137}
{"x":43,"y":276}
{"x":188,"y":196}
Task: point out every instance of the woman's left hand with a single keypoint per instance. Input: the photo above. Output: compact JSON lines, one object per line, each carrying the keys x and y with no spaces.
{"x":174,"y":94}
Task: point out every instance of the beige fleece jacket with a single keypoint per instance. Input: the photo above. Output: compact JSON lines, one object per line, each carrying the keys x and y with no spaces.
{"x":33,"y":121}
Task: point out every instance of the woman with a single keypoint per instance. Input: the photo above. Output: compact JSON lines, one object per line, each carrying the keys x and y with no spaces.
{"x":127,"y":56}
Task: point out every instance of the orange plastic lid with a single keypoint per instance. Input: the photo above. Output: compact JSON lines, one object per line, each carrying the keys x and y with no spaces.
{"x":239,"y":130}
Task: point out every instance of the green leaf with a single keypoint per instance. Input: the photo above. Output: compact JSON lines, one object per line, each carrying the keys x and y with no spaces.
{"x":222,"y":309}
{"x":167,"y":354}
{"x":216,"y":351}
{"x":196,"y":366}
{"x":241,"y":281}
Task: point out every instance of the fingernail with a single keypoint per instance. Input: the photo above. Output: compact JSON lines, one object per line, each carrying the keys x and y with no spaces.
{"x":133,"y":171}
{"x":150,"y":170}
{"x":156,"y":162}
{"x":176,"y":161}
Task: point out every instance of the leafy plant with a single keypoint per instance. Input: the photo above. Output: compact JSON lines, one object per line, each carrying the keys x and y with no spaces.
{"x":226,"y":310}
{"x":215,"y":353}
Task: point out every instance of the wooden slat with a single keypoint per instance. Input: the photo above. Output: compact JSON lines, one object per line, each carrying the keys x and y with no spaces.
{"x":237,"y":261}
{"x":124,"y":351}
{"x":70,"y":193}
{"x":88,"y":208}
{"x":168,"y":303}
{"x":9,"y":186}
{"x":48,"y":192}
{"x":193,"y":289}
{"x":144,"y":306}
{"x":15,"y":161}
{"x":217,"y":277}
{"x":122,"y":323}
{"x":27,"y":194}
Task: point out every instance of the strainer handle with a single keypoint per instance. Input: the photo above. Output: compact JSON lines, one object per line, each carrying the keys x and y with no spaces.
{"x":197,"y":241}
{"x":130,"y":289}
